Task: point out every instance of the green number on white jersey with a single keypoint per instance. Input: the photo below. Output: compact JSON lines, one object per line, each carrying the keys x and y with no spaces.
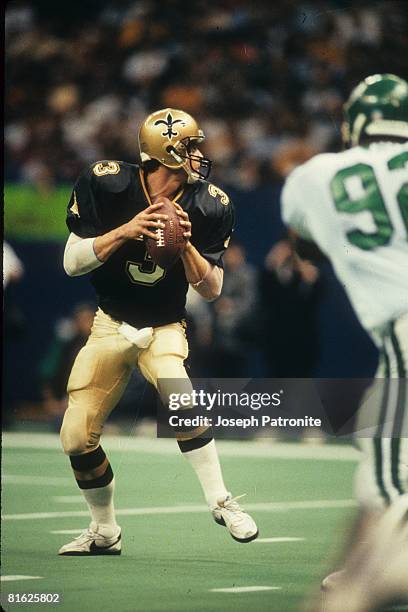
{"x":396,"y":163}
{"x":370,"y":200}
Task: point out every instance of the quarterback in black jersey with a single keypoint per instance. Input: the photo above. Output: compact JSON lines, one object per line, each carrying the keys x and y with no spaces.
{"x":131,"y":287}
{"x":139,"y":323}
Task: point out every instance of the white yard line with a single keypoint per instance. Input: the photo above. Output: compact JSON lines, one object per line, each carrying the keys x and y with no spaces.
{"x":263,"y":448}
{"x":245,"y":589}
{"x":312,"y":504}
{"x":67,"y":531}
{"x":36,"y":481}
{"x":279,"y":539}
{"x":189,"y":509}
{"x":69,"y":499}
{"x":18,"y":577}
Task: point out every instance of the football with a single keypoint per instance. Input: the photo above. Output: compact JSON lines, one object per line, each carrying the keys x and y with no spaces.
{"x":167,"y":249}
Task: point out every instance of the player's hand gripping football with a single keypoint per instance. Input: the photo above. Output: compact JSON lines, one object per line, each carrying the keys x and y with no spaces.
{"x":146,"y":223}
{"x":184,"y":221}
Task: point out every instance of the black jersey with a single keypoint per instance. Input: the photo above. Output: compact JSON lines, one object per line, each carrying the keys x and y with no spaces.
{"x":129,"y":285}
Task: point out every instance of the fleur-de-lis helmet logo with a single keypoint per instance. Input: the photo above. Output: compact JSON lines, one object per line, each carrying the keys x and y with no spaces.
{"x":171,"y":137}
{"x":169,"y":123}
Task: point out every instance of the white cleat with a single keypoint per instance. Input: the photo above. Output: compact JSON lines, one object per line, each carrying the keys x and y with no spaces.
{"x":241,"y":526}
{"x":90,"y":542}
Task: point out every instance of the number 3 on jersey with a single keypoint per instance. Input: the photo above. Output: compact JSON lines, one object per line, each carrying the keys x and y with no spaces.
{"x":370,"y":200}
{"x":104,"y":168}
{"x":144,"y":273}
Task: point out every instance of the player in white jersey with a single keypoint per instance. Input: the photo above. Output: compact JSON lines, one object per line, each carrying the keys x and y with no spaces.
{"x":354,"y":206}
{"x":348,"y":204}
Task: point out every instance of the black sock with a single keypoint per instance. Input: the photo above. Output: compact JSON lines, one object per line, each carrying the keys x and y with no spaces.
{"x":189,"y":445}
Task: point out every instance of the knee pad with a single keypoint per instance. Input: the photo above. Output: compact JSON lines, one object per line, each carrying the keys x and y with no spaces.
{"x":76,"y":437}
{"x":73,"y":441}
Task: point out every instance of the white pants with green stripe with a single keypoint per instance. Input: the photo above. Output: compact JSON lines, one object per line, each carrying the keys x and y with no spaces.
{"x":382,"y":475}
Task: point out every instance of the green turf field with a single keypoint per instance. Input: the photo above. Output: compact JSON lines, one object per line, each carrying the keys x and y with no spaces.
{"x":174,"y":555}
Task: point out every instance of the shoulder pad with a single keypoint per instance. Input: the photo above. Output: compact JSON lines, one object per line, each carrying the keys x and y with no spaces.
{"x":112,"y":176}
{"x":218,"y":194}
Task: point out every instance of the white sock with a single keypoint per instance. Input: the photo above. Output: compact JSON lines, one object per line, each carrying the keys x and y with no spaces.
{"x":100,"y":503}
{"x":206,"y":465}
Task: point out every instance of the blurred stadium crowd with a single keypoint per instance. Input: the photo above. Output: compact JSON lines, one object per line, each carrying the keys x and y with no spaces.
{"x":266,"y":79}
{"x":267,"y":82}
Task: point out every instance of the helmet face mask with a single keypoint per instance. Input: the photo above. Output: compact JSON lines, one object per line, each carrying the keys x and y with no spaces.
{"x":377,"y":108}
{"x":196,"y":166}
{"x":170,"y":136}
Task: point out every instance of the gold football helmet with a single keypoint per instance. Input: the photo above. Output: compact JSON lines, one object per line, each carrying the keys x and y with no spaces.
{"x":170,"y":136}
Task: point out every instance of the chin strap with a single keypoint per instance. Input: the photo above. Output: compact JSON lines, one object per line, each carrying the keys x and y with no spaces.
{"x":185,"y":161}
{"x":192,"y":177}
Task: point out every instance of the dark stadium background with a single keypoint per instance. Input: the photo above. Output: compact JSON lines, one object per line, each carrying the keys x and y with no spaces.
{"x":267,"y":81}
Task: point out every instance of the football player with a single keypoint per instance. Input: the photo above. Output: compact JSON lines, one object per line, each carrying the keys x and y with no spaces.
{"x":140,"y":320}
{"x":354,"y":206}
